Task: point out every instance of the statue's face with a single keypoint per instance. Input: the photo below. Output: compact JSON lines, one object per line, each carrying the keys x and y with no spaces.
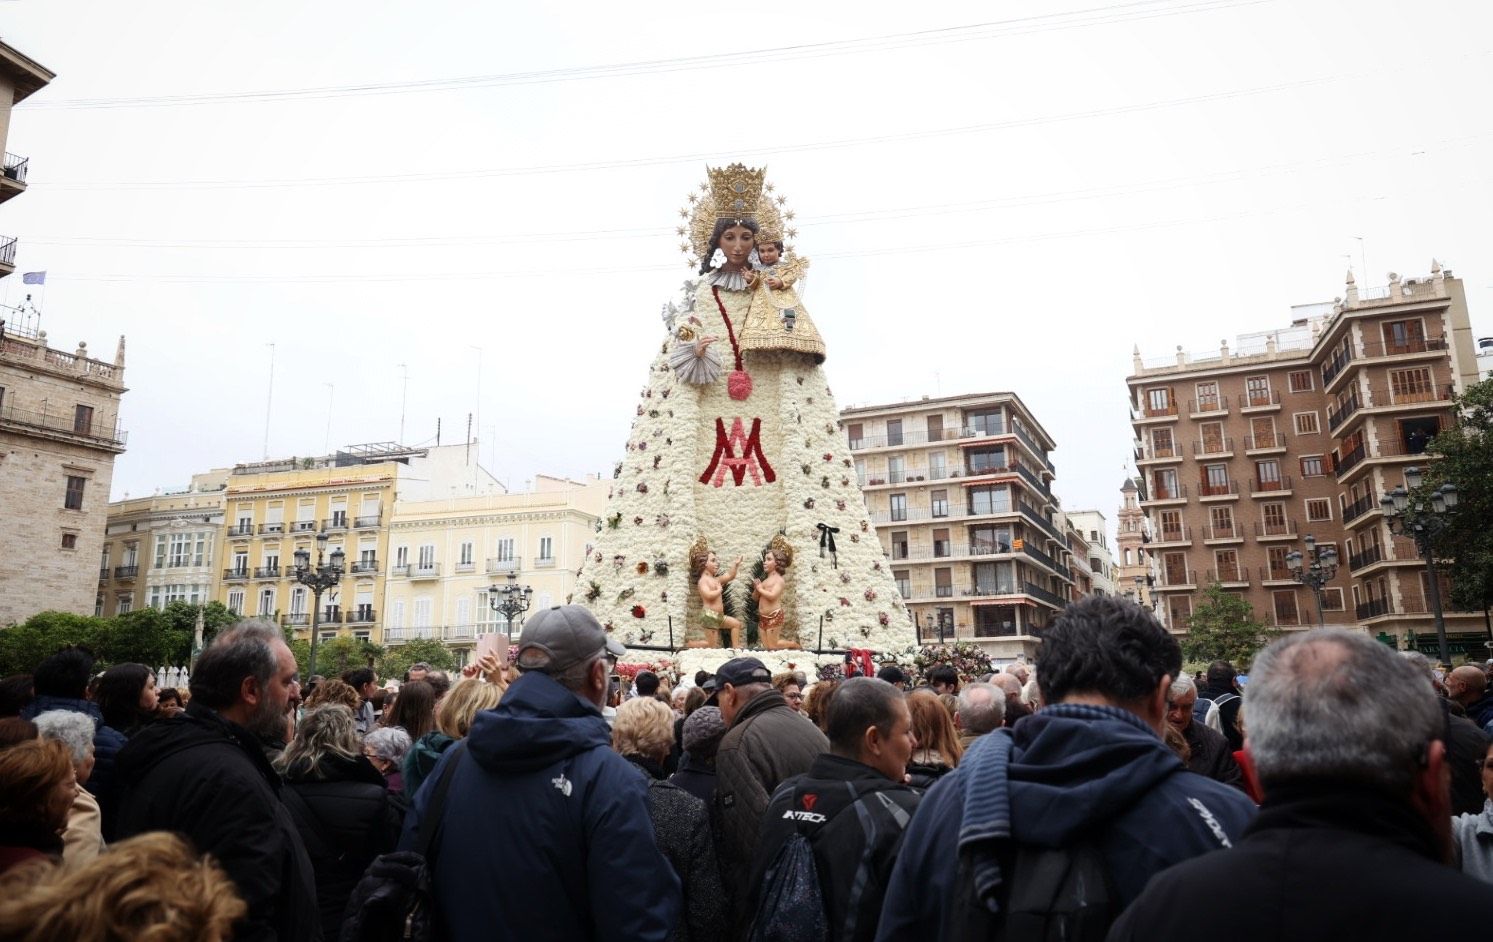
{"x":769,"y":563}
{"x":736,"y":243}
{"x":712,"y":565}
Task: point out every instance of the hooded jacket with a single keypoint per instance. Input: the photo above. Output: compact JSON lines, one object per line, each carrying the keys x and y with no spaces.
{"x":546,"y":830}
{"x":1473,"y":835}
{"x":1066,"y":773}
{"x":207,"y":778}
{"x":107,"y":742}
{"x":1324,"y":860}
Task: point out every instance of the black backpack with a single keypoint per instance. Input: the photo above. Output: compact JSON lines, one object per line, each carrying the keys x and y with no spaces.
{"x":395,"y":899}
{"x":791,"y":905}
{"x":1050,"y":894}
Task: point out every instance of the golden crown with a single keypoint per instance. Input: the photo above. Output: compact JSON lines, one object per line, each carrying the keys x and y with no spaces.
{"x":736,"y":190}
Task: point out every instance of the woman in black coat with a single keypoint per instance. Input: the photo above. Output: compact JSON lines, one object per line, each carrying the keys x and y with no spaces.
{"x":340,"y":804}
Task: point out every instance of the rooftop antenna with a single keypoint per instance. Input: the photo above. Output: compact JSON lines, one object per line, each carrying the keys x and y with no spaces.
{"x":269,"y":398}
{"x":403,"y":398}
{"x":1363,"y":261}
{"x":331,"y":392}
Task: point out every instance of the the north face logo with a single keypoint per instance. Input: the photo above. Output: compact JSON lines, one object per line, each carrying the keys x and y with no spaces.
{"x":809,"y":801}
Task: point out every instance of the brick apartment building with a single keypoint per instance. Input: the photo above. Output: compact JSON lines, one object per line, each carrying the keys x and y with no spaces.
{"x":1242,"y":453}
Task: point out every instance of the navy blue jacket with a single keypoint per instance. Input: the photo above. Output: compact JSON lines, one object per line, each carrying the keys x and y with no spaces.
{"x":1066,"y":771}
{"x":546,"y":830}
{"x":107,"y":741}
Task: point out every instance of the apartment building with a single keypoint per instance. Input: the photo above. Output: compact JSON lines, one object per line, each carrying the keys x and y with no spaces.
{"x":1300,"y":431}
{"x":161,"y":549}
{"x":339,"y":502}
{"x":1098,"y":564}
{"x":446,"y":554}
{"x":960,"y":490}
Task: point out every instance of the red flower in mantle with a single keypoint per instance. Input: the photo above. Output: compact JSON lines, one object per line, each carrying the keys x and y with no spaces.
{"x":639,"y":611}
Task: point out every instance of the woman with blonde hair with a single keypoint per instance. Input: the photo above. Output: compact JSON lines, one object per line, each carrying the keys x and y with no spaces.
{"x":643,"y":734}
{"x":37,"y":787}
{"x":938,"y":751}
{"x":334,"y":691}
{"x":340,"y":805}
{"x":453,"y":720}
{"x":148,"y":887}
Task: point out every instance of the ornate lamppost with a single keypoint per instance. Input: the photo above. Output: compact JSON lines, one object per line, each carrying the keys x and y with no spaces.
{"x":1314,"y":569}
{"x":510,"y":601}
{"x":1423,"y":524}
{"x":319,"y":578}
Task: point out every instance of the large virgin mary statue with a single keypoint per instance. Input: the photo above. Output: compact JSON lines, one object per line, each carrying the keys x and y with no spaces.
{"x":736,"y":453}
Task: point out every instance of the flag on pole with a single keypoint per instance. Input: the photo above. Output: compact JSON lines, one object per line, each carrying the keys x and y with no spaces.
{"x":34,"y":278}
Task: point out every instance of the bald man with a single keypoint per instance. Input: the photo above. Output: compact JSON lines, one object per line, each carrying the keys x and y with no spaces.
{"x":1468,"y":686}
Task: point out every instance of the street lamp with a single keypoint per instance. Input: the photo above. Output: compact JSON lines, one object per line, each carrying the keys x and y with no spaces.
{"x":1423,"y":524}
{"x":509,"y":601}
{"x":321,"y":577}
{"x":1316,"y":573}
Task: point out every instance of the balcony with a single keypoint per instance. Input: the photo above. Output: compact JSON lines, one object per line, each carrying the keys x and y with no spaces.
{"x":1043,"y":595}
{"x":1339,"y":414}
{"x":331,"y":615}
{"x":298,"y":620}
{"x":1231,"y":578}
{"x":335,"y":524}
{"x":1275,"y":530}
{"x":241,"y":530}
{"x":1166,"y":412}
{"x":1029,"y":550}
{"x":1270,"y":487}
{"x":126,"y":572}
{"x":1359,"y":507}
{"x":1373,"y":608}
{"x":13,"y":176}
{"x":363,"y":567}
{"x":1336,"y":365}
{"x":1266,"y":401}
{"x":64,"y":427}
{"x":103,"y":574}
{"x":236,"y":574}
{"x":1204,"y":408}
{"x":1161,"y":454}
{"x":1277,"y":575}
{"x":1383,"y":397}
{"x":1218,"y":490}
{"x":499,"y":565}
{"x":544,"y":562}
{"x":425,"y":572}
{"x":1166,"y":493}
{"x":7,"y":255}
{"x":1228,"y":534}
{"x":1264,"y":444}
{"x":1373,"y":349}
{"x":1177,"y":579}
{"x":1173,"y":536}
{"x":467,"y":566}
{"x":367,"y":521}
{"x":1215,"y":448}
{"x":267,"y":572}
{"x":1368,"y":557}
{"x":303,"y":526}
{"x":271,"y":529}
{"x":362,"y":615}
{"x":1342,"y":464}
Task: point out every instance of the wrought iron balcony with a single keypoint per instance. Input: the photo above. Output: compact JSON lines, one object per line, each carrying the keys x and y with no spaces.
{"x":271,"y":529}
{"x":1267,"y":399}
{"x":1213,"y":405}
{"x":1368,"y":557}
{"x":1043,"y":595}
{"x":303,"y":526}
{"x":1338,"y":415}
{"x":126,"y":572}
{"x":367,"y":521}
{"x":236,"y":575}
{"x":267,"y":572}
{"x":363,"y":567}
{"x":334,"y":523}
{"x":1341,"y":465}
{"x":1359,"y":507}
{"x":1373,"y":608}
{"x":241,"y":529}
{"x":298,"y":619}
{"x":14,"y":168}
{"x":427,"y":571}
{"x":8,"y":253}
{"x":500,"y":565}
{"x":362,"y":615}
{"x":63,"y":425}
{"x":1336,"y":365}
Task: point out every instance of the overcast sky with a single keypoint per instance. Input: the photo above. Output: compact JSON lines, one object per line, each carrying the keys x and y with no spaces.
{"x":994,"y":196}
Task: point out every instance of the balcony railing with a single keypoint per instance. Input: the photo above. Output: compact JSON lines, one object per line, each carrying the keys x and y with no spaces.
{"x":1260,"y":400}
{"x":1182,"y":534}
{"x":1368,"y":557}
{"x":1217,"y":488}
{"x":1342,"y":464}
{"x":236,"y":575}
{"x":298,"y":619}
{"x":1158,"y":452}
{"x":1359,"y":507}
{"x":1264,"y":442}
{"x":1378,"y":348}
{"x":500,"y":565}
{"x":64,"y":423}
{"x":1280,"y":573}
{"x":544,"y":562}
{"x":1045,"y":595}
{"x":1029,"y":550}
{"x":1334,"y":366}
{"x":367,"y":521}
{"x":1237,"y":574}
{"x":1178,"y":578}
{"x":267,"y":572}
{"x":1217,"y":446}
{"x":364,"y":567}
{"x":1383,"y":396}
{"x":1230,"y":532}
{"x":1159,"y":411}
{"x":126,"y":572}
{"x":334,"y":523}
{"x":303,"y":526}
{"x":1338,"y":415}
{"x":429,"y":571}
{"x":241,"y":529}
{"x":362,"y":615}
{"x":1161,"y":491}
{"x":103,"y":573}
{"x":15,"y":167}
{"x":271,"y":529}
{"x":1372,"y":608}
{"x":331,"y":615}
{"x":1257,"y":486}
{"x":1217,"y":405}
{"x":8,"y":251}
{"x":1275,"y":528}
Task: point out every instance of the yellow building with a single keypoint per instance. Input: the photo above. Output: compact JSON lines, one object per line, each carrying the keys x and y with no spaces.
{"x":161,"y":549}
{"x":445,"y":554}
{"x":273,"y":509}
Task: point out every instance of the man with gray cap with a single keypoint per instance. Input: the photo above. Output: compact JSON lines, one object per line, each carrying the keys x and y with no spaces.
{"x":765,"y":743}
{"x":545,"y":832}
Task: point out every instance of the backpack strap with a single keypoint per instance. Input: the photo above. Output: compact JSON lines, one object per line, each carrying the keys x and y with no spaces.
{"x":430,"y":826}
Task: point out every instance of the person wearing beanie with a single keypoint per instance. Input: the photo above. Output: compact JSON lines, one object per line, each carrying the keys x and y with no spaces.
{"x":703,"y":730}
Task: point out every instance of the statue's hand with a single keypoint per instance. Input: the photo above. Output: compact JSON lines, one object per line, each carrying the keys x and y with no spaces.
{"x":751,"y":277}
{"x":702,"y":343}
{"x":775,"y":283}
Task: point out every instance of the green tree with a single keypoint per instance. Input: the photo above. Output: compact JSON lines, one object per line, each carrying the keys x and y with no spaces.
{"x":1464,"y":457}
{"x":335,"y":657}
{"x":1224,"y":628}
{"x":24,"y":646}
{"x":145,"y":636}
{"x":397,"y":660}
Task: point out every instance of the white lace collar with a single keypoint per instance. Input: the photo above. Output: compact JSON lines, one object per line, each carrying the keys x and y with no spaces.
{"x":730,"y":280}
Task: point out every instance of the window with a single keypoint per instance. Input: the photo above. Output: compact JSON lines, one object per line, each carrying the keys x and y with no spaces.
{"x":855,"y":432}
{"x":993,"y":579}
{"x":182,"y":550}
{"x":427,"y":557}
{"x":899,"y":544}
{"x":546,"y":548}
{"x":1311,"y":466}
{"x":1208,"y":399}
{"x":1171,"y":525}
{"x":298,"y":597}
{"x":1179,"y":607}
{"x":860,"y":471}
{"x":83,"y":419}
{"x":267,"y":602}
{"x":1215,"y":479}
{"x":943,"y":583}
{"x":989,"y":500}
{"x":904,"y":583}
{"x":505,"y":550}
{"x":986,"y":540}
{"x":935,"y":428}
{"x":936,"y":467}
{"x":1262,"y":432}
{"x":1159,"y":401}
{"x":1226,"y":563}
{"x":1221,"y":519}
{"x":986,"y":459}
{"x":236,"y":601}
{"x":125,"y":604}
{"x":73,"y":499}
{"x":1267,"y":475}
{"x":1276,"y":557}
{"x":988,"y":422}
{"x":1162,"y":444}
{"x":1211,"y":436}
{"x":1286,"y":612}
{"x":1166,"y":486}
{"x":464,"y":557}
{"x":896,"y":469}
{"x":898,"y":503}
{"x":942,"y":545}
{"x":1306,"y":423}
{"x":939,"y":503}
{"x":401,"y":558}
{"x":894,"y":431}
{"x":240,"y":563}
{"x":1257,"y":390}
{"x":1411,"y":385}
{"x":1404,"y":337}
{"x":1274,"y":514}
{"x":69,"y":541}
{"x":1301,"y":381}
{"x":1174,"y":569}
{"x":1332,"y":600}
{"x":1318,"y":508}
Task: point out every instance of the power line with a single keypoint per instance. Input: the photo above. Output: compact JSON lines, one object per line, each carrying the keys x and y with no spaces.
{"x":993,"y":29}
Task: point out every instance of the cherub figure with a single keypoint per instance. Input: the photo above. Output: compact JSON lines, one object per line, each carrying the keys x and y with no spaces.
{"x":768,"y":591}
{"x":711,"y":583}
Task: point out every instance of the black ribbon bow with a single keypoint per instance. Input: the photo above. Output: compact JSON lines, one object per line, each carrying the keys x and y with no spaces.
{"x":827,"y":540}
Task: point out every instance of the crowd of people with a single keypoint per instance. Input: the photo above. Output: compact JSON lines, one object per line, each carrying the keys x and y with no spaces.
{"x":1102,"y":792}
